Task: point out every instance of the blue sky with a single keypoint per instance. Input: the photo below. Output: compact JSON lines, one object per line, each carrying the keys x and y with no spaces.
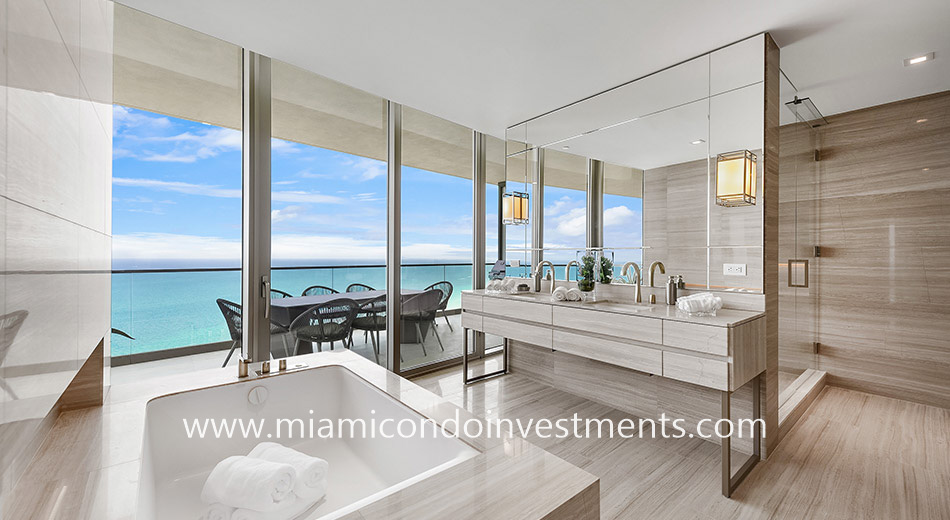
{"x":177,"y":202}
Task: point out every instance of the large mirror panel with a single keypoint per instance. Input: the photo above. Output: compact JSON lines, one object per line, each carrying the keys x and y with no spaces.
{"x":662,"y":140}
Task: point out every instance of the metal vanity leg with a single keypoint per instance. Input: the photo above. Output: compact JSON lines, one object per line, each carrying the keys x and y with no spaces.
{"x":504,"y":369}
{"x":464,"y":355}
{"x":729,"y":481}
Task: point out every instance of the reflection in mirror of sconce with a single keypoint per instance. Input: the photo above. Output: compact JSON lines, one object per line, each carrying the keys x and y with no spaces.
{"x":735,"y":178}
{"x":515,"y":208}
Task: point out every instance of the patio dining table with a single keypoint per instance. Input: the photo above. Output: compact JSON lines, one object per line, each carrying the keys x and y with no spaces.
{"x":285,"y":310}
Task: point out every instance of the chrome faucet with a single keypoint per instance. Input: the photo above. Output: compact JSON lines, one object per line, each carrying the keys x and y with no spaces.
{"x":537,"y":275}
{"x":567,"y":270}
{"x":636,"y":279}
{"x":653,"y":266}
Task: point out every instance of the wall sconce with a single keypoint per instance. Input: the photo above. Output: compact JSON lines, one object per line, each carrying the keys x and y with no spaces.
{"x":515,"y":208}
{"x":735,"y":178}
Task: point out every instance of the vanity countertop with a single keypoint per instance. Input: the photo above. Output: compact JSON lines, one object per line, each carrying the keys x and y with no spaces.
{"x":723,"y":318}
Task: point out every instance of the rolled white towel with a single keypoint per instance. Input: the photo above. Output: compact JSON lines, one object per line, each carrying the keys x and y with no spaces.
{"x":574,"y":295}
{"x":310,"y":484}
{"x":292,"y":510}
{"x":560,"y":294}
{"x":217,"y":512}
{"x":245,"y":482}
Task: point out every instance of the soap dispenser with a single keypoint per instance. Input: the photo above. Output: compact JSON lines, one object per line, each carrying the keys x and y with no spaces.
{"x":671,"y":291}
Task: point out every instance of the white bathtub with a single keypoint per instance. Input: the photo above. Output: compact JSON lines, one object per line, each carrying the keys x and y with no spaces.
{"x":175,"y":467}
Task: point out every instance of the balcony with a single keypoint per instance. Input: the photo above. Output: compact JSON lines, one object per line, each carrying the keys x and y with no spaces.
{"x":172,"y":312}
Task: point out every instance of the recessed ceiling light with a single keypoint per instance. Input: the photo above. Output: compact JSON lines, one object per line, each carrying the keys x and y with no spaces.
{"x":926,"y":169}
{"x":698,"y":141}
{"x":922,"y":120}
{"x":918,"y":59}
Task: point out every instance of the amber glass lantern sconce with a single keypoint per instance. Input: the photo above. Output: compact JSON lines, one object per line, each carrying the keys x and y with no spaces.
{"x":735,"y":178}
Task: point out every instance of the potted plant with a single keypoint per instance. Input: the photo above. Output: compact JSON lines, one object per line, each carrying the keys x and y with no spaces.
{"x":586,"y":274}
{"x":606,"y":269}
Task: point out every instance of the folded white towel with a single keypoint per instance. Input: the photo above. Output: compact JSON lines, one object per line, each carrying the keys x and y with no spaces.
{"x":560,"y":294}
{"x":310,"y":484}
{"x":217,"y":512}
{"x":574,"y":295}
{"x":245,"y":482}
{"x":295,"y":507}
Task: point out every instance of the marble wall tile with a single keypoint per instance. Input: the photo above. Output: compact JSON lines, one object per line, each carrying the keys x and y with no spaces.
{"x":876,"y":203}
{"x":675,"y":230}
{"x":55,"y":248}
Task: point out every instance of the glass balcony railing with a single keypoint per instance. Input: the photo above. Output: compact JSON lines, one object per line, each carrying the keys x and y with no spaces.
{"x":168,"y":309}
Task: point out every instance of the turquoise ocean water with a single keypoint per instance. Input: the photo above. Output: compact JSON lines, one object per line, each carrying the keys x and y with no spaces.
{"x":176,"y":309}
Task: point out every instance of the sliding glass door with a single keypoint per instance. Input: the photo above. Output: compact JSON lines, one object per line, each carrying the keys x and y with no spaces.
{"x":328,"y":214}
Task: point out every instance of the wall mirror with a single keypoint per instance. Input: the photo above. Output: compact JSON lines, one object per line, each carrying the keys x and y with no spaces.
{"x":660,"y":141}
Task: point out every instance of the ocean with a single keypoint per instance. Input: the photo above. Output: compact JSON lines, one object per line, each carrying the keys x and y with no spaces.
{"x":164,"y":310}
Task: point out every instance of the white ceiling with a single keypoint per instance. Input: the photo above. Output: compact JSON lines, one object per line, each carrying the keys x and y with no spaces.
{"x":492,"y":63}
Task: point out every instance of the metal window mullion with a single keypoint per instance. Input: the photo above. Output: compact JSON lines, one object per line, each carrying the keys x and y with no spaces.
{"x":479,"y":227}
{"x":537,"y":207}
{"x":393,"y":234}
{"x":595,"y":203}
{"x":256,"y":206}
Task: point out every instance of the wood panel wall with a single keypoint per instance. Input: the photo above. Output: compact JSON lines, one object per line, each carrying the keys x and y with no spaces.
{"x":882,"y":204}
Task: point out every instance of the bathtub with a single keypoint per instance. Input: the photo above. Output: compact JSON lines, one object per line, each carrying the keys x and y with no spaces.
{"x":174,"y":466}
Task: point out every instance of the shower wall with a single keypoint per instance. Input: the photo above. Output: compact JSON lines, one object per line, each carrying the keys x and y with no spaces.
{"x":877,"y":204}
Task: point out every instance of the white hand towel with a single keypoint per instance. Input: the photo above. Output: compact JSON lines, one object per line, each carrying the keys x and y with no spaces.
{"x":245,"y":482}
{"x":291,"y":511}
{"x":310,"y":484}
{"x":574,"y":295}
{"x":217,"y":512}
{"x":560,"y":294}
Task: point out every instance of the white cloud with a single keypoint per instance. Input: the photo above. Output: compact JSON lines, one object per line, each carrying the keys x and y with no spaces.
{"x":307,"y":174}
{"x":123,"y":118}
{"x":170,"y":157}
{"x":573,"y":223}
{"x":228,"y":193}
{"x":167,"y":246}
{"x":281,"y":146}
{"x":619,"y":216}
{"x":120,"y":153}
{"x":179,"y":187}
{"x":288,"y":213}
{"x":561,"y":205}
{"x":304,"y":196}
{"x":364,"y":168}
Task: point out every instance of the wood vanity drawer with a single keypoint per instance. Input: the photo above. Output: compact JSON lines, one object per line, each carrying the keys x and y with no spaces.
{"x":644,"y":359}
{"x":472,"y":302}
{"x":701,"y":338}
{"x":519,"y":310}
{"x":710,"y":373}
{"x":532,"y":334}
{"x":609,"y":323}
{"x":471,"y":321}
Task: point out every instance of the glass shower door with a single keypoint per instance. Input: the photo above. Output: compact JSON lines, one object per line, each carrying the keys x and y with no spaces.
{"x":799,"y":252}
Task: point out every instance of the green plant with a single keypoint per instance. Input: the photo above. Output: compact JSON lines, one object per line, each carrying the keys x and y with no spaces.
{"x":606,"y":270}
{"x":585,"y":275}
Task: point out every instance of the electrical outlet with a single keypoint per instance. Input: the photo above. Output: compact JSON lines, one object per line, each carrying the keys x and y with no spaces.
{"x":516,"y":263}
{"x":733,"y":269}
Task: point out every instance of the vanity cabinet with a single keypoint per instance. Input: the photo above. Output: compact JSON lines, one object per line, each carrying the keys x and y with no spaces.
{"x":723,"y":352}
